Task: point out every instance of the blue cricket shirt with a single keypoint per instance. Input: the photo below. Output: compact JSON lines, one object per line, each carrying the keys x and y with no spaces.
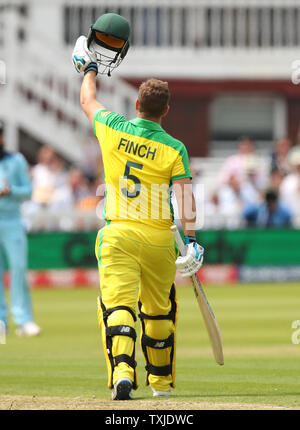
{"x":14,"y":172}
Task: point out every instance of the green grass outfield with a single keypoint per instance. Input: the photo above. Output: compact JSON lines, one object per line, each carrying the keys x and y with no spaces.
{"x":262,"y":365}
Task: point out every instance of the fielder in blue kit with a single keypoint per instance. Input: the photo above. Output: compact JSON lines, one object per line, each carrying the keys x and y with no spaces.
{"x":15,"y":187}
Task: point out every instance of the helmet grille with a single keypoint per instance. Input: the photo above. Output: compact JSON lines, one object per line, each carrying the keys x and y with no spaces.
{"x":107,"y":60}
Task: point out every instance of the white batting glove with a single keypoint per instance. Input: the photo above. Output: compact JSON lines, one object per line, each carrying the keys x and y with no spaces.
{"x":83,"y":58}
{"x":190,"y":263}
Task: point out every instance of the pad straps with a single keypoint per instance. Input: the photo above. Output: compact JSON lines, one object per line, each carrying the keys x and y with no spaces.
{"x":147,"y":341}
{"x":119,"y":330}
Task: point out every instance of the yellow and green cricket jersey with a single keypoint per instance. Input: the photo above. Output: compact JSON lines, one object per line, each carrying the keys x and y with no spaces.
{"x":140,"y":163}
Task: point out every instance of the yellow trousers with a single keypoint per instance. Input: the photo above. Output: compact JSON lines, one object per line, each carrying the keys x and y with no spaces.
{"x":137,"y":266}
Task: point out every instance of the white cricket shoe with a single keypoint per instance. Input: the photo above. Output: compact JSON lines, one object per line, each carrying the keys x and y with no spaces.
{"x":158,"y":393}
{"x":28,"y":329}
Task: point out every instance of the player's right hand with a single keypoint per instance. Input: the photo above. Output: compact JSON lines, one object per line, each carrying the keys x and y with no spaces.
{"x":190,"y":263}
{"x":83,"y":58}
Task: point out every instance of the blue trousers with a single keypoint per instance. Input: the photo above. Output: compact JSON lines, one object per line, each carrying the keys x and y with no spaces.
{"x":13,"y":245}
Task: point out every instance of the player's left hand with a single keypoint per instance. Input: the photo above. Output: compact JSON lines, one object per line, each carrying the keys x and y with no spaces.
{"x":83,"y":58}
{"x":190,"y":263}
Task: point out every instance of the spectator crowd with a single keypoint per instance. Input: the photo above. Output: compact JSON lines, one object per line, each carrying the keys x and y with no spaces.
{"x":256,"y":191}
{"x":249,"y":190}
{"x":62,"y":190}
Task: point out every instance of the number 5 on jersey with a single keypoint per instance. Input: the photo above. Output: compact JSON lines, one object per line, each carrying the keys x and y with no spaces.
{"x":135,"y":179}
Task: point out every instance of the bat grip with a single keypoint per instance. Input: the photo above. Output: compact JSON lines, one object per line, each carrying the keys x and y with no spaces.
{"x":179,"y":241}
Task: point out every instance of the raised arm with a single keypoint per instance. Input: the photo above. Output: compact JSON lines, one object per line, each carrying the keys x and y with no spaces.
{"x":85,"y":61}
{"x":88,"y":94}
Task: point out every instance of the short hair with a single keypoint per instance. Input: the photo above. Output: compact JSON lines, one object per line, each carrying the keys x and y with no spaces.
{"x":154,"y":97}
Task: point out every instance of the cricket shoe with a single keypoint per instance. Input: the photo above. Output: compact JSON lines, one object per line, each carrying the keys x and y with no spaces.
{"x":28,"y":329}
{"x":122,"y":390}
{"x":158,"y":393}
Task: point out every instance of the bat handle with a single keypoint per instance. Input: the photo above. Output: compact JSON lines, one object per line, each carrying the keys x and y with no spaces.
{"x":179,"y":241}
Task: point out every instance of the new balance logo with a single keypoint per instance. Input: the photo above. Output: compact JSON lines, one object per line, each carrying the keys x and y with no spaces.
{"x":159,"y":345}
{"x":125,"y":329}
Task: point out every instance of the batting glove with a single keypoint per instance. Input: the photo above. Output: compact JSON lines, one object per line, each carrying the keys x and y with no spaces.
{"x":83,"y":58}
{"x":190,"y":263}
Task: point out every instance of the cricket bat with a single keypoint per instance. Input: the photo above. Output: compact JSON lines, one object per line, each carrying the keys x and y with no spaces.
{"x":206,"y":310}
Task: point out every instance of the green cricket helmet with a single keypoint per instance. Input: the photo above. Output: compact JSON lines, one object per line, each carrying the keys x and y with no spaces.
{"x":109,"y":39}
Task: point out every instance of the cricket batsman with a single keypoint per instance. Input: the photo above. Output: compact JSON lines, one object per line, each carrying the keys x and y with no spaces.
{"x":136,"y":249}
{"x":15,"y":187}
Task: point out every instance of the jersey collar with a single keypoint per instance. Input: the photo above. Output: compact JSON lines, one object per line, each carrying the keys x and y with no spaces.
{"x":145,"y":123}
